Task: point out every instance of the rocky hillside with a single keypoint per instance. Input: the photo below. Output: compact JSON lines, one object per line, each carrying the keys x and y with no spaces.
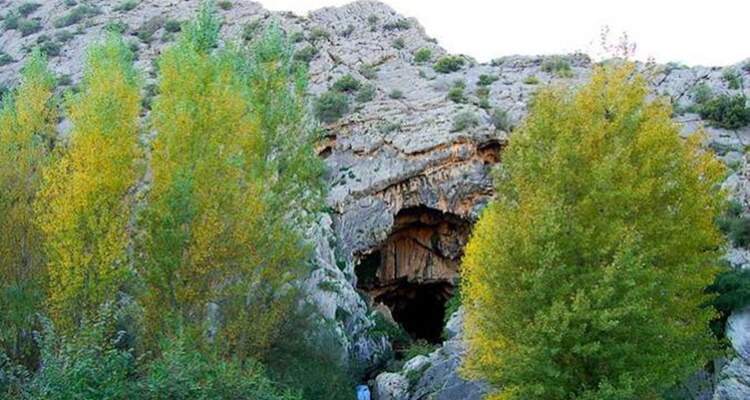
{"x":411,"y":136}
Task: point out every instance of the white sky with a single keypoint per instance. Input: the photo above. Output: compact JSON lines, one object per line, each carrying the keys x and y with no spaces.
{"x":694,"y":32}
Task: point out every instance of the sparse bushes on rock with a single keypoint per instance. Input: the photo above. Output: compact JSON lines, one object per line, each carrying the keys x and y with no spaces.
{"x":464,"y":120}
{"x":486,"y":80}
{"x":28,"y":26}
{"x":172,"y":25}
{"x":399,"y":43}
{"x":397,"y":25}
{"x":456,"y":92}
{"x":423,"y":55}
{"x":447,"y":64}
{"x":500,"y":120}
{"x":396,"y":94}
{"x":365,"y":93}
{"x":732,"y":78}
{"x":347,"y":84}
{"x":27,"y":8}
{"x":76,"y":15}
{"x":368,"y":71}
{"x":318,"y":33}
{"x":735,"y":225}
{"x":127,"y":5}
{"x":559,"y":66}
{"x":725,"y":111}
{"x":225,"y":4}
{"x":146,"y":31}
{"x":331,"y":106}
{"x":5,"y":58}
{"x":531,"y":80}
{"x":305,"y":54}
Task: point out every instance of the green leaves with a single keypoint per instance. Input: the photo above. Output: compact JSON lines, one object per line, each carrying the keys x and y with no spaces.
{"x":584,"y":277}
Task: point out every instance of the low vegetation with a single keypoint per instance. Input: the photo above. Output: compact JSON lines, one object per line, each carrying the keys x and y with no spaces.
{"x":448,"y":64}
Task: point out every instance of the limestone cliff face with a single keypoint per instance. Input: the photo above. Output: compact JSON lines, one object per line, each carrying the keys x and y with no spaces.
{"x":405,"y":180}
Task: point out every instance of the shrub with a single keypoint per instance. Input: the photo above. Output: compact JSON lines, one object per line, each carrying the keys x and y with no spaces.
{"x":318,"y":33}
{"x":305,"y":54}
{"x":29,"y":26}
{"x":393,"y":331}
{"x":368,"y":71}
{"x":447,"y":64}
{"x":76,"y":15}
{"x":456,"y":93}
{"x":725,"y":111}
{"x":116,"y":27}
{"x":28,"y":8}
{"x":531,"y":80}
{"x":732,"y":78}
{"x":372,"y":19}
{"x":64,"y":36}
{"x":397,"y":25}
{"x":735,"y":225}
{"x":346,"y":83}
{"x":365,"y":93}
{"x":250,"y":30}
{"x":423,"y":55}
{"x":543,"y":302}
{"x":172,"y":25}
{"x":10,"y":22}
{"x":559,"y":66}
{"x":418,"y":348}
{"x":486,"y":80}
{"x":331,"y":106}
{"x":146,"y":31}
{"x":500,"y":120}
{"x":464,"y":120}
{"x":387,"y":127}
{"x":732,"y":290}
{"x":225,"y":4}
{"x":396,"y":94}
{"x":48,"y":46}
{"x":701,"y":93}
{"x":399,"y":43}
{"x":127,"y":5}
{"x":5,"y":58}
{"x":182,"y":373}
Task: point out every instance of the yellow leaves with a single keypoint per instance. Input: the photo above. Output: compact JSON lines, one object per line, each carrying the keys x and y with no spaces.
{"x":85,"y":206}
{"x":600,"y":241}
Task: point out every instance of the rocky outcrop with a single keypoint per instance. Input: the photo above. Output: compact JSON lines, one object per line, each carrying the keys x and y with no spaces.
{"x":434,"y":376}
{"x":406,"y":146}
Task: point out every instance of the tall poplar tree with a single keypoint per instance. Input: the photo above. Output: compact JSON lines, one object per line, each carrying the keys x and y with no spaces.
{"x":86,"y":203}
{"x":27,"y":127}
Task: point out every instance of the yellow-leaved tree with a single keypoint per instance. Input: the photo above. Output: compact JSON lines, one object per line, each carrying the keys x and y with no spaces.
{"x":216,"y":251}
{"x":85,"y":205}
{"x":27,"y":127}
{"x":584,"y":277}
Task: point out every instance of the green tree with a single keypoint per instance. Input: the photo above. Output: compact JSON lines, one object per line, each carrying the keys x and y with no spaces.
{"x":27,"y":126}
{"x":231,"y":167}
{"x":584,"y":278}
{"x":85,"y":206}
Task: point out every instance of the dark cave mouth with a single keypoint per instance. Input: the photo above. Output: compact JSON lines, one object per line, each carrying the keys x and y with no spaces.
{"x":414,"y":271}
{"x":419,"y":308}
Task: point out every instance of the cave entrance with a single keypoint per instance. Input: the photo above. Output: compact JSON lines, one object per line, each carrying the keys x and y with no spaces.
{"x":414,"y":272}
